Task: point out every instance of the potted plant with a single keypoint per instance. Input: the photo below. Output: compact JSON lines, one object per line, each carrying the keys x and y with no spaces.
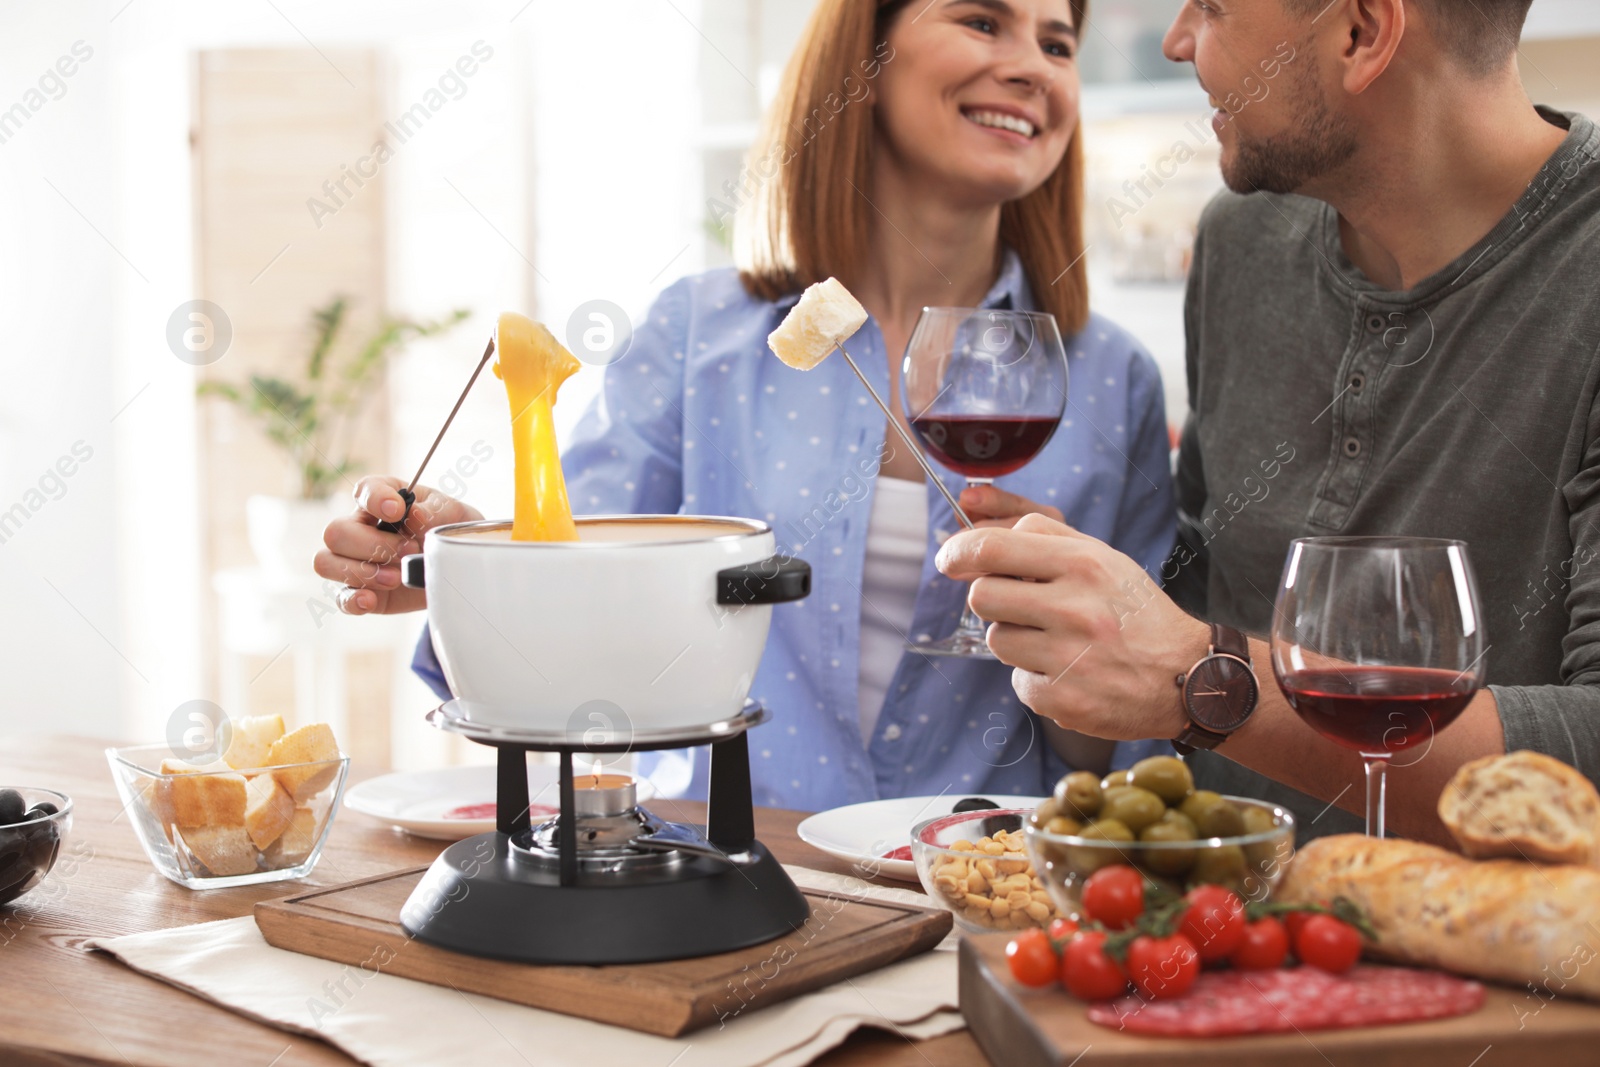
{"x":312,"y":417}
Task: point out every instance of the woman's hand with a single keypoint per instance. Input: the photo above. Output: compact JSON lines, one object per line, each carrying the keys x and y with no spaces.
{"x":367,"y":560}
{"x":1095,"y":643}
{"x":989,"y":507}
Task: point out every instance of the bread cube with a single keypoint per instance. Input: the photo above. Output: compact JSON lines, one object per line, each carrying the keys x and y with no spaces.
{"x":224,"y":850}
{"x":825,"y":316}
{"x":309,"y":744}
{"x":296,"y":842}
{"x":252,"y":739}
{"x":197,"y":795}
{"x":268,"y":810}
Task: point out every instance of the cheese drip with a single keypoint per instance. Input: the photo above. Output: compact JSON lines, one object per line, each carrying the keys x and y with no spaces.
{"x":533,"y":364}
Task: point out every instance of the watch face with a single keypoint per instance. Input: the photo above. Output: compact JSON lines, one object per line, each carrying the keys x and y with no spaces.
{"x":1220,"y":693}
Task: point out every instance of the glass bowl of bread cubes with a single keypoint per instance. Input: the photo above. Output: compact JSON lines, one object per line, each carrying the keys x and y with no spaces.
{"x":261,"y":813}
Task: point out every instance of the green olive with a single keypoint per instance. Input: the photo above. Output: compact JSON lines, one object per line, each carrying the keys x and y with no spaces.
{"x":1135,"y":808}
{"x":1172,"y":827}
{"x":1183,"y":821}
{"x":1220,"y":865}
{"x":1213,"y":815}
{"x":1048,"y":809}
{"x":1261,"y":854}
{"x":1167,"y":777}
{"x":1063,"y":824}
{"x":1084,"y":860}
{"x":1078,"y":793}
{"x":1116,"y":778}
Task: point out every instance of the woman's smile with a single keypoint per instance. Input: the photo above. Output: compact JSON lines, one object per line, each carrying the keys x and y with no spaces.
{"x":1011,"y":123}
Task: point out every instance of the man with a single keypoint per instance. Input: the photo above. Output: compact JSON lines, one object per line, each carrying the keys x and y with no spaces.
{"x":1392,"y":328}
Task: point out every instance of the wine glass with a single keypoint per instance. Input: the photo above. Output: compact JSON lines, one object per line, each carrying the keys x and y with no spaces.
{"x":984,"y":390}
{"x":1377,"y":643}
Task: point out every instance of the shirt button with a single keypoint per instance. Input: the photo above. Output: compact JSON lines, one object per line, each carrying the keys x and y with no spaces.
{"x":1357,"y":380}
{"x":892,"y":732}
{"x":1375,"y":323}
{"x":1352,"y":447}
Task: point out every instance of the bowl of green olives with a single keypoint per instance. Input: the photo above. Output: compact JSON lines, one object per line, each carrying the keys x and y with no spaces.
{"x":1153,"y":817}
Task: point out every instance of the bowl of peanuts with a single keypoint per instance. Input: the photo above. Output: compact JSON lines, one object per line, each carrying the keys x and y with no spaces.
{"x":974,"y":865}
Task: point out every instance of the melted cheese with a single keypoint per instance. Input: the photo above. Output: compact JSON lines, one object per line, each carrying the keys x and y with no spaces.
{"x":533,"y":364}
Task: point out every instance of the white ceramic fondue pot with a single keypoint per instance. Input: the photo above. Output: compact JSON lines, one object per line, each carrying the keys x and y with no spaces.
{"x":656,"y":620}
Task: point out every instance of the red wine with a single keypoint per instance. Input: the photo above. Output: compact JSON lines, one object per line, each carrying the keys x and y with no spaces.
{"x":1378,"y":709}
{"x":982,"y":446}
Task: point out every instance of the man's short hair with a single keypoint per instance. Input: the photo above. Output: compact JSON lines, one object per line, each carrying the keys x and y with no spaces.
{"x":1479,"y":34}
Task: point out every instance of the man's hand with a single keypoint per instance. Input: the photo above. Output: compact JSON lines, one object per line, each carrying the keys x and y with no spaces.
{"x":367,"y":560}
{"x":1095,"y":643}
{"x":989,"y":507}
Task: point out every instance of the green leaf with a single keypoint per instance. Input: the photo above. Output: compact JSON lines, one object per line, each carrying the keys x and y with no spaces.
{"x":224,"y":390}
{"x":328,"y":320}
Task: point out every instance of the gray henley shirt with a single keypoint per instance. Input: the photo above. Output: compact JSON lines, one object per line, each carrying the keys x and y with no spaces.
{"x":1321,"y":403}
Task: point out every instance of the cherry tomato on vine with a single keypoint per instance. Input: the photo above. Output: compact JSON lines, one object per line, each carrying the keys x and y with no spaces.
{"x":1264,"y":946}
{"x":1086,"y":970}
{"x":1062,"y":929}
{"x":1330,"y":944}
{"x":1032,"y":959}
{"x":1294,"y":920}
{"x":1161,"y":968}
{"x":1214,"y":922}
{"x":1114,"y":896}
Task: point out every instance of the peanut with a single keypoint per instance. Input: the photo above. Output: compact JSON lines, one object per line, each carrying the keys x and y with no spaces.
{"x":992,"y":884}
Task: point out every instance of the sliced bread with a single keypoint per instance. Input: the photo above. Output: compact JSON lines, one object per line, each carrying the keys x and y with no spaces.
{"x":1523,"y":805}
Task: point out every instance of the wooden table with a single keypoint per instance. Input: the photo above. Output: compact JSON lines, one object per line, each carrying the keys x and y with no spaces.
{"x":60,"y":1004}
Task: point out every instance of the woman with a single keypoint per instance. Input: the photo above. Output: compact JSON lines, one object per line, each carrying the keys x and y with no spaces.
{"x":925,"y":154}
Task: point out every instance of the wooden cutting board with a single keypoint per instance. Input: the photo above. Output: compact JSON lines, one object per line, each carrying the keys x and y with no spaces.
{"x":1020,"y":1027}
{"x":358,"y":923}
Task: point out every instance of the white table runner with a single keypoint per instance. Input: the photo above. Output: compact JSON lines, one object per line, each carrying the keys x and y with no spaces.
{"x":389,"y":1021}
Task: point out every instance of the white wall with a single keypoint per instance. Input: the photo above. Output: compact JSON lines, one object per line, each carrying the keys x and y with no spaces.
{"x":100,"y":586}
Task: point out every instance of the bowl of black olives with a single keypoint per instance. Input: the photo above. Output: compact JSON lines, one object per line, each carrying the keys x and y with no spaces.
{"x":1153,"y":818}
{"x":32,"y":824}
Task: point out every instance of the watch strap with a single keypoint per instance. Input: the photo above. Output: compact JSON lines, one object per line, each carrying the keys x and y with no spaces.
{"x":1231,"y":642}
{"x":1195,"y":737}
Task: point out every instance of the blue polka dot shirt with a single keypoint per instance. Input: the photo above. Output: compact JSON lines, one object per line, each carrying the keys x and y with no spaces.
{"x":699,"y":417}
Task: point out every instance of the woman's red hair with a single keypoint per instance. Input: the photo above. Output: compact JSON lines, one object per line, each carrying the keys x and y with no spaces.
{"x":807,"y":220}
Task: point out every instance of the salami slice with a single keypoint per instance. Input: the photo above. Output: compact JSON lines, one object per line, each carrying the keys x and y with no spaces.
{"x":1228,"y":1003}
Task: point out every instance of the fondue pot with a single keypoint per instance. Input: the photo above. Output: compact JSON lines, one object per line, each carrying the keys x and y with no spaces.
{"x":658,"y":621}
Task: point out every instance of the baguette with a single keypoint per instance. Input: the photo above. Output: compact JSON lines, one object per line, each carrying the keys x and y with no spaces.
{"x":1523,"y":805}
{"x":1504,"y":920}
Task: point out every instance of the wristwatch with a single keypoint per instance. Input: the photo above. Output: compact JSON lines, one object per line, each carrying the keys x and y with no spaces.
{"x":1219,"y":692}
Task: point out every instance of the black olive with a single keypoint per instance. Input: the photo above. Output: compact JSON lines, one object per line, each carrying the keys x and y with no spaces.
{"x":11,"y":807}
{"x":41,"y":809}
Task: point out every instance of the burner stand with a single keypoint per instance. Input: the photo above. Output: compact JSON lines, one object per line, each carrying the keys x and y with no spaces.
{"x":489,"y":896}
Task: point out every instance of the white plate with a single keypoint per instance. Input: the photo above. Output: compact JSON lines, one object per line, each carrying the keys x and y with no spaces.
{"x":417,"y":801}
{"x":866,"y":832}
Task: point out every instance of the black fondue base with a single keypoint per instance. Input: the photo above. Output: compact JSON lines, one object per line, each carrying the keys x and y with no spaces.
{"x":480,"y":899}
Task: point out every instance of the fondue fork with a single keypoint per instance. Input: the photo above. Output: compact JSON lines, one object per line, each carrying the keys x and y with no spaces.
{"x":409,"y":493}
{"x":905,"y":436}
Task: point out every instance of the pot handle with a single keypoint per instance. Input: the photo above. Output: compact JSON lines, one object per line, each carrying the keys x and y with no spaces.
{"x":411,"y":572}
{"x":775,"y":580}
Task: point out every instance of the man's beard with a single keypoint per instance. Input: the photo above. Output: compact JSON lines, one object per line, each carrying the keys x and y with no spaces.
{"x":1320,"y":142}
